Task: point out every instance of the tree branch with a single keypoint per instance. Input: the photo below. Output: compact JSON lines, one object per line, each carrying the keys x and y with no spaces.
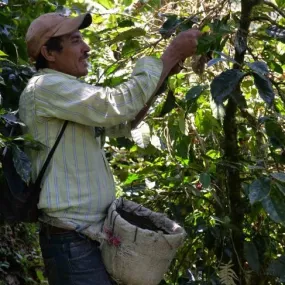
{"x":264,"y":18}
{"x":280,"y":92}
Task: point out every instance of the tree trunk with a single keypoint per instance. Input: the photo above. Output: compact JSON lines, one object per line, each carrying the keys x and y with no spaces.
{"x":231,"y":150}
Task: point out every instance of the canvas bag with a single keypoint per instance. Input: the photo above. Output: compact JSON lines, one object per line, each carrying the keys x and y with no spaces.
{"x":133,"y":254}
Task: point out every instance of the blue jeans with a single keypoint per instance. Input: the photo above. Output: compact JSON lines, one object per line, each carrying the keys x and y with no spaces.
{"x":73,"y":259}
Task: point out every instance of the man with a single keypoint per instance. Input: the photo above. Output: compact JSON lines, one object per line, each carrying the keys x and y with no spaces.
{"x":78,"y":186}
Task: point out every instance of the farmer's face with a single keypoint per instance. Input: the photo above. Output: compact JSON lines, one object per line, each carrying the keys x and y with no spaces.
{"x":73,"y":58}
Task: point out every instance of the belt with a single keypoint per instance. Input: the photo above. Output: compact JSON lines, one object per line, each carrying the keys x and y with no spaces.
{"x":49,"y":229}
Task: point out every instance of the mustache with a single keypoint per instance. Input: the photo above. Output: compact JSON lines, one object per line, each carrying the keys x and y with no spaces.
{"x":85,"y":56}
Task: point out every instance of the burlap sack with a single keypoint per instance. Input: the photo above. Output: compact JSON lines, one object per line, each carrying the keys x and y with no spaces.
{"x":139,"y":244}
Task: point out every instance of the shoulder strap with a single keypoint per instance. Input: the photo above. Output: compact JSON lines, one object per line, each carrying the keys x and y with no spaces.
{"x":42,"y":172}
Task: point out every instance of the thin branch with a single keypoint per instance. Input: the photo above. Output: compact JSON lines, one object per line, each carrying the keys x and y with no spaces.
{"x":120,"y":62}
{"x":251,"y":119}
{"x":280,"y":92}
{"x":251,"y":53}
{"x":264,"y":18}
{"x":236,"y":253}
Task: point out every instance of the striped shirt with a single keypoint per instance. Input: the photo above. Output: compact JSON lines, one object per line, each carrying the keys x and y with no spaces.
{"x":78,"y":185}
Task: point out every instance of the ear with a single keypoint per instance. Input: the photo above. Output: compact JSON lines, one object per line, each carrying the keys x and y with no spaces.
{"x":48,"y":55}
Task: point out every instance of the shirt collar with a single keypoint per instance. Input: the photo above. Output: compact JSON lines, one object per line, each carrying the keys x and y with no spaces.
{"x":52,"y":71}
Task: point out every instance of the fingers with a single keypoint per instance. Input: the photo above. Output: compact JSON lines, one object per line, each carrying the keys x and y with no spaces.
{"x":183,"y":46}
{"x":193,"y":33}
{"x":187,"y":43}
{"x":196,"y":33}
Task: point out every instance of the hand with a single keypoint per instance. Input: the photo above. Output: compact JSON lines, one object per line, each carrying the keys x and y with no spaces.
{"x":183,"y":46}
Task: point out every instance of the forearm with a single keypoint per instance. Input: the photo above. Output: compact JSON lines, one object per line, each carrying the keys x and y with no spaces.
{"x":170,"y":65}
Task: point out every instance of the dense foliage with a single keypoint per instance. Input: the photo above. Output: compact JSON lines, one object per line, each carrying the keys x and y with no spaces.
{"x":212,"y":153}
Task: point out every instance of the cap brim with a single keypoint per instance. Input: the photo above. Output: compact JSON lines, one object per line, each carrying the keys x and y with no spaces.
{"x":87,"y":20}
{"x":71,"y":24}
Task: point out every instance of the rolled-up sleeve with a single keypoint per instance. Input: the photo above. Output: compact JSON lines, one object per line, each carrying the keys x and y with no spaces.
{"x":67,"y":98}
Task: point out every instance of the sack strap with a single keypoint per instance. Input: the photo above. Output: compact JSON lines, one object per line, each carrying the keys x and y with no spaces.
{"x":42,"y":172}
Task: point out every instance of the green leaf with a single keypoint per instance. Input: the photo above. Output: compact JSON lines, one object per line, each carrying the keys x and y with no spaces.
{"x":277,"y":32}
{"x":131,"y":178}
{"x":141,"y":135}
{"x":225,"y":83}
{"x":281,"y":188}
{"x":259,"y":67}
{"x":108,"y":4}
{"x":205,"y":122}
{"x":125,"y":23}
{"x":280,"y":176}
{"x":185,"y":24}
{"x":225,"y":57}
{"x":2,"y":80}
{"x":183,"y":124}
{"x":169,"y":104}
{"x":264,"y":87}
{"x":114,"y":81}
{"x":280,"y":3}
{"x":274,"y":204}
{"x":194,"y":92}
{"x":215,"y":61}
{"x":259,"y":189}
{"x":156,"y":142}
{"x":277,"y":267}
{"x":130,"y":48}
{"x":205,"y":179}
{"x":127,"y":2}
{"x":168,"y":26}
{"x":251,"y":255}
{"x":214,"y":154}
{"x":275,"y":132}
{"x":97,"y":19}
{"x":129,"y":34}
{"x":11,"y":119}
{"x":40,"y":275}
{"x":182,"y":146}
{"x":22,"y":164}
{"x":215,"y":39}
{"x":112,"y":69}
{"x":29,"y":142}
{"x":276,"y":67}
{"x":206,"y":43}
{"x":4,"y":264}
{"x":2,"y":53}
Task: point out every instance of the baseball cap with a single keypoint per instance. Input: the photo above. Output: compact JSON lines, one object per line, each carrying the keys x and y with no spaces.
{"x":52,"y":25}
